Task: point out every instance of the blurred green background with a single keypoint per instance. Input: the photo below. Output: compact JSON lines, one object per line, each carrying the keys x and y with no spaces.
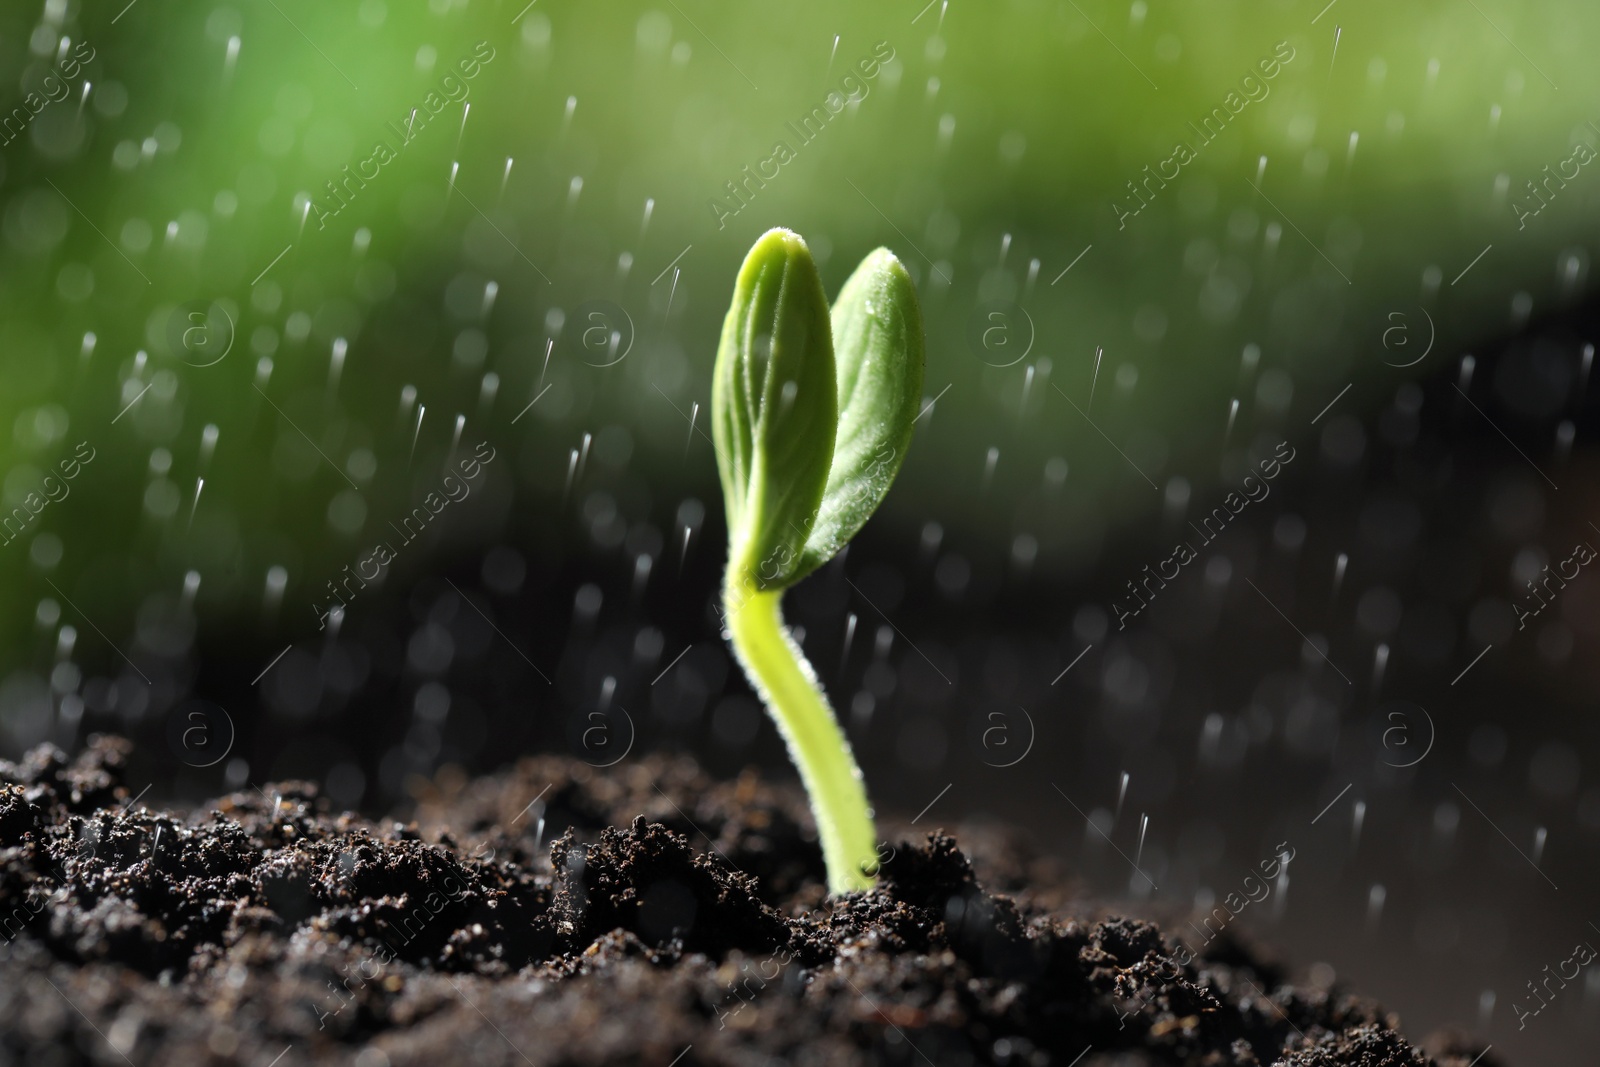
{"x":175,"y":205}
{"x":274,"y":338}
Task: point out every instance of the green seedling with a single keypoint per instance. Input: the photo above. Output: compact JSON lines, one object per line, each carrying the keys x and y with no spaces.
{"x":812,"y":413}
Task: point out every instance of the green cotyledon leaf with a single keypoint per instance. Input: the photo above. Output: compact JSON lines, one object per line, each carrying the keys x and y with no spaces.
{"x":774,"y":408}
{"x":878,"y":352}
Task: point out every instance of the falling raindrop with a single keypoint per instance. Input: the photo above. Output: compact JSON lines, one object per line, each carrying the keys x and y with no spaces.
{"x":1521,"y":309}
{"x":1269,"y":241}
{"x":486,"y":392}
{"x":1357,"y":819}
{"x":1024,"y":550}
{"x":849,"y":638}
{"x":991,"y":458}
{"x":861,"y":707}
{"x":1211,"y":739}
{"x":1467,"y":365}
{"x":1431,"y":277}
{"x":549,"y":346}
{"x":1138,"y":884}
{"x":691,"y":513}
{"x":1446,"y":819}
{"x":1540,"y":835}
{"x":1248,"y":359}
{"x":586,"y":604}
{"x":191,"y":586}
{"x":336,"y":364}
{"x":1485,"y":1008}
{"x":208,"y":444}
{"x":1380,"y":661}
{"x":272,"y":596}
{"x":671,"y":293}
{"x":505,"y":177}
{"x":1565,"y":434}
{"x":1176,"y":498}
{"x":641,"y":573}
{"x":232,"y":56}
{"x":574,"y":187}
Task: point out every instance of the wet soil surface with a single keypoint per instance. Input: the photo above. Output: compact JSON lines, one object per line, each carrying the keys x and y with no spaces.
{"x":555,"y":914}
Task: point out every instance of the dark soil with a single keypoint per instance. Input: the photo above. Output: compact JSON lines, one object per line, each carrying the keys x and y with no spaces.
{"x":643,"y":914}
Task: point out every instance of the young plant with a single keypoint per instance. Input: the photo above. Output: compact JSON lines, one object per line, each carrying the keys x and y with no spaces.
{"x":812,"y":413}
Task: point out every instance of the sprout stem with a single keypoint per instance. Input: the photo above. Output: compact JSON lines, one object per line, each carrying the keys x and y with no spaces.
{"x":788,"y":686}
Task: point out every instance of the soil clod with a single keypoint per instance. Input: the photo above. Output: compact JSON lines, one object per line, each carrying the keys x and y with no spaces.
{"x":626,"y":918}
